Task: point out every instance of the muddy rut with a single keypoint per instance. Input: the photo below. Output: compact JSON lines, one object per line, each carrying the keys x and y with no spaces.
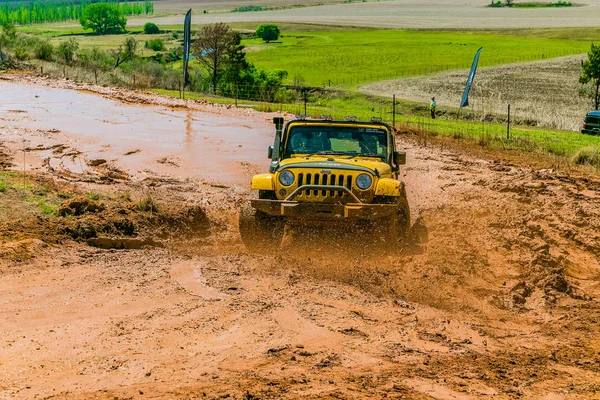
{"x":501,"y":302}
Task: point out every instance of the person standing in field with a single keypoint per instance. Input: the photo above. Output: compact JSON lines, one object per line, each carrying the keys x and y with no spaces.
{"x":432,"y":107}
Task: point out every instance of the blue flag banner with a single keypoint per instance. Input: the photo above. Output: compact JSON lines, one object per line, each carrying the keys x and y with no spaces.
{"x":186,"y":45}
{"x":465,"y":98}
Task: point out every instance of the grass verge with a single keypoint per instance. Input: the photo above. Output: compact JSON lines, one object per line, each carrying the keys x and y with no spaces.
{"x":33,"y":196}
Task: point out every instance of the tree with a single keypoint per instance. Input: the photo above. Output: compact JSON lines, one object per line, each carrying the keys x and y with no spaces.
{"x":131,"y":46}
{"x":591,"y":72}
{"x":121,"y":55}
{"x":212,"y":49}
{"x":268,"y":32}
{"x":66,"y":50}
{"x":235,"y":67}
{"x":103,"y":18}
{"x":8,"y":34}
{"x":150,"y":28}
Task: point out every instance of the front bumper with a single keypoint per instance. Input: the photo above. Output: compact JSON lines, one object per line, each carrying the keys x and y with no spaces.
{"x":594,"y":131}
{"x":324,"y":211}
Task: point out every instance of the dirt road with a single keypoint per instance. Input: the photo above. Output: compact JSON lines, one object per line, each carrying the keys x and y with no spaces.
{"x":500,"y":303}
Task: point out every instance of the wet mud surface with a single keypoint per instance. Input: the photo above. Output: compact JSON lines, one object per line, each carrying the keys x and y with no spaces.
{"x":500,"y":303}
{"x":78,"y":131}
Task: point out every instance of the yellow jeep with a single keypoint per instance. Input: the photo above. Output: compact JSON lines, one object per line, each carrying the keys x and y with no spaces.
{"x":326,"y":171}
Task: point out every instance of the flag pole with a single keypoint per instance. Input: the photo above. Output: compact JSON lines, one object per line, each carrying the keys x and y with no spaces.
{"x":186,"y":48}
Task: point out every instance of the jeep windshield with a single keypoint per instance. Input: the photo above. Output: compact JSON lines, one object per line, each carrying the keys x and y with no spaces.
{"x":348,"y":141}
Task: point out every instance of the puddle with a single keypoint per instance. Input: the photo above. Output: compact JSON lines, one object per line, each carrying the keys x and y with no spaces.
{"x":213,"y":147}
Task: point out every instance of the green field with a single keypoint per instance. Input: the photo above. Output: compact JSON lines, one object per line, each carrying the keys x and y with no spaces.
{"x":359,"y":56}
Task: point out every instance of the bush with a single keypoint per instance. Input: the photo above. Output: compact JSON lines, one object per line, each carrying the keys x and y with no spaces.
{"x":44,"y":51}
{"x":150,"y":28}
{"x":587,"y":156}
{"x":21,"y":54}
{"x":246,"y":9}
{"x":155,"y":44}
{"x":66,"y":50}
{"x":284,"y":95}
{"x":147,"y":204}
{"x":96,"y":58}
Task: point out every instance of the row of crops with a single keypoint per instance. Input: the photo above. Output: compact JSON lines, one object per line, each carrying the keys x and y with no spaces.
{"x":37,"y":12}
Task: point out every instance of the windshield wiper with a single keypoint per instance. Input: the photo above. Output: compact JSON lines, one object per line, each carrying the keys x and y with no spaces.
{"x":328,"y":152}
{"x":366,"y":155}
{"x":344,"y":153}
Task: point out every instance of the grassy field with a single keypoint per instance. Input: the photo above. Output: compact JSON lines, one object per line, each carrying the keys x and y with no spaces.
{"x":358,"y":56}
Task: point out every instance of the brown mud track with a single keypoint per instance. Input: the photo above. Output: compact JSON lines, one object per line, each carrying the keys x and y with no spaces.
{"x":500,"y":303}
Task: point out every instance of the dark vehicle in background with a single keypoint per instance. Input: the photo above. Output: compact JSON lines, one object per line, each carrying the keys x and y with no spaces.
{"x":591,"y":124}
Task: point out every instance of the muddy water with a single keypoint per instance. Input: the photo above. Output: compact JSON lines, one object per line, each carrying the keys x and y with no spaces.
{"x":141,"y":139}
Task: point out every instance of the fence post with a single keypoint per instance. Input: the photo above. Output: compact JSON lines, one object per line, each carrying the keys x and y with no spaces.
{"x":508,"y":125}
{"x":394,"y":111}
{"x":179,"y":89}
{"x":305,"y":101}
{"x":96,"y":76}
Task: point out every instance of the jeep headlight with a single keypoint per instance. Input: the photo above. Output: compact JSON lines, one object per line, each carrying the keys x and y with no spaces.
{"x":286,"y":178}
{"x":363,"y":181}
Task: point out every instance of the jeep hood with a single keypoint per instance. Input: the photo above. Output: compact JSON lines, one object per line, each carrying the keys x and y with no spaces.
{"x":369,"y":165}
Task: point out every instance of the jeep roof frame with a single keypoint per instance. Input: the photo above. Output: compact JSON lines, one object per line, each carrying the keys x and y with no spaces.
{"x":281,"y":132}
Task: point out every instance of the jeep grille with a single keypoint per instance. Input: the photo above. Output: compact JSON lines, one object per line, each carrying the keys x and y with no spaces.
{"x":324,"y":179}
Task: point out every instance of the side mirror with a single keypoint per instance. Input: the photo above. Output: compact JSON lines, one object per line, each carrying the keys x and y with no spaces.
{"x":270,"y":153}
{"x":399,"y":157}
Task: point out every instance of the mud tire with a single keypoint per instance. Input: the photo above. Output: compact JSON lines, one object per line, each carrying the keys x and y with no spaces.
{"x":260,"y":232}
{"x":396,"y":229}
{"x":402,"y":220}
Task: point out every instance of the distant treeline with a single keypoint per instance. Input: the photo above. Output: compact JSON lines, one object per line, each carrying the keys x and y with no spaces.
{"x":37,"y":12}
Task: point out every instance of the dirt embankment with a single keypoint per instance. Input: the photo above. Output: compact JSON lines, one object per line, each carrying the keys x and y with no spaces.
{"x":499,"y":303}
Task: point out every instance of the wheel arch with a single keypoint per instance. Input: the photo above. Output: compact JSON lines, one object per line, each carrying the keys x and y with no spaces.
{"x":263,"y":182}
{"x":390,"y":188}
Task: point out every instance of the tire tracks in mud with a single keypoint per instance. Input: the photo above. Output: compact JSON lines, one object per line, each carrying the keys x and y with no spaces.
{"x":500,"y":303}
{"x":487,"y":308}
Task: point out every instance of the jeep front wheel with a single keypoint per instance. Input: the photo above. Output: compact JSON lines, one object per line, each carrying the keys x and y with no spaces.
{"x":260,"y":232}
{"x":402,"y":220}
{"x":395,"y":228}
